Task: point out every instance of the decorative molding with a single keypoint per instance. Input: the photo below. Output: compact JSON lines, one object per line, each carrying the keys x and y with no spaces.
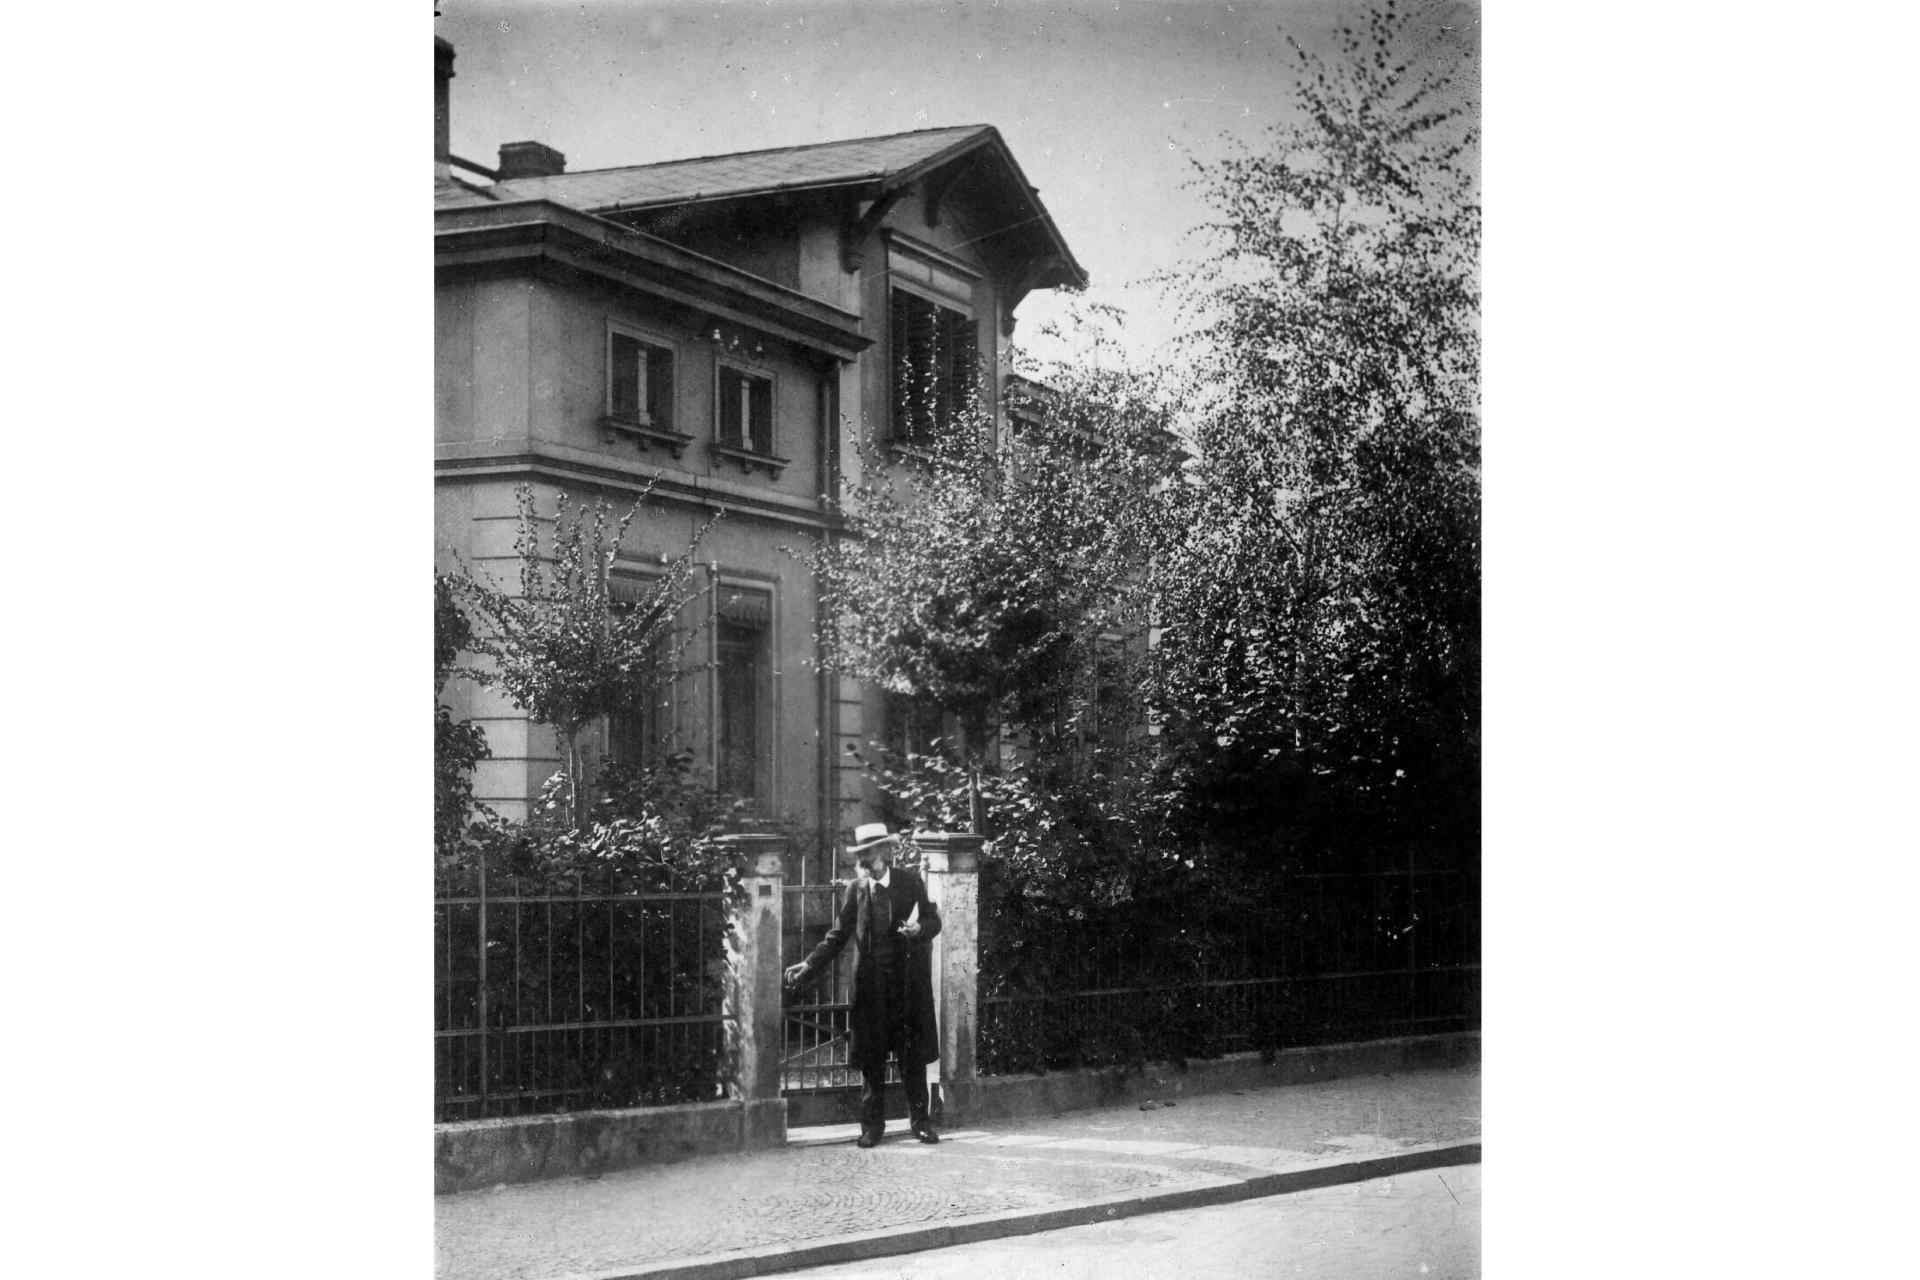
{"x":900,"y":242}
{"x":855,"y":231}
{"x":749,"y":460}
{"x":552,"y":464}
{"x":737,"y":344}
{"x":514,"y":238}
{"x":643,"y":434}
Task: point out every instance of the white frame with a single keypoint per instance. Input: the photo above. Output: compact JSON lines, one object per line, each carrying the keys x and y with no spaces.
{"x":751,"y":369}
{"x":902,"y":246}
{"x":649,"y":338}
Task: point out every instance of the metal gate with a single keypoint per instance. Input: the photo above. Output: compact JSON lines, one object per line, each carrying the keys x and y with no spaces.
{"x":820,"y":1084}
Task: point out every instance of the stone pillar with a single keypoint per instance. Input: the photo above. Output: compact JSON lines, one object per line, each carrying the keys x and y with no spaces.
{"x":754,"y":988}
{"x":953,"y":879}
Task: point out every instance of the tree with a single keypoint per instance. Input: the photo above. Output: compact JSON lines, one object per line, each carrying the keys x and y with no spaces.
{"x":457,"y":745}
{"x":977,"y":576}
{"x":558,"y":647}
{"x":1321,"y":615}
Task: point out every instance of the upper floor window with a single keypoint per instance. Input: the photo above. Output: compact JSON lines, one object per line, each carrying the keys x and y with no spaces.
{"x":746,"y":410}
{"x":640,"y":392}
{"x":935,"y":355}
{"x":639,"y":381}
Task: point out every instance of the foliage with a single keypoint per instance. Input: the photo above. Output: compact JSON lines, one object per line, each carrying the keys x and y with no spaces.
{"x":1321,"y":610}
{"x":1076,"y":841}
{"x":981,"y":581}
{"x":595,"y":939}
{"x":557,"y":647}
{"x":650,"y":829}
{"x":975,"y":575}
{"x":457,"y":745}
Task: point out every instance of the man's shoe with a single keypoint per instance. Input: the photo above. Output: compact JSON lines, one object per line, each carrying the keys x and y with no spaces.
{"x":925,"y":1133}
{"x":867,"y":1138}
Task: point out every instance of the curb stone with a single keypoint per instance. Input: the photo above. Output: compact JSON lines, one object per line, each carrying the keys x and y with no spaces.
{"x":888,"y":1241}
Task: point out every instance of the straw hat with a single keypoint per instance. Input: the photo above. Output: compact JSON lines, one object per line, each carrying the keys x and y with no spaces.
{"x":868,"y":835}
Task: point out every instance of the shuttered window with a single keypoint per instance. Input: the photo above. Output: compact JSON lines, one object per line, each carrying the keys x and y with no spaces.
{"x":746,"y":411}
{"x":639,"y":381}
{"x":935,"y":367}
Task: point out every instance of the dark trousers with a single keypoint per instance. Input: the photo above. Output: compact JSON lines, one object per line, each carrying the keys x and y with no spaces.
{"x":898,"y":1042}
{"x":873,"y":1085}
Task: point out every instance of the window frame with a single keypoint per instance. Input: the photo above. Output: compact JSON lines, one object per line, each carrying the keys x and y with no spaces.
{"x":744,"y":454}
{"x":659,"y":723}
{"x":767,"y":765}
{"x":970,"y":317}
{"x":644,"y":431}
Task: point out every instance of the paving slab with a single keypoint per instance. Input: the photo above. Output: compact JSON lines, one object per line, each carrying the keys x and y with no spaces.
{"x":823,"y":1200}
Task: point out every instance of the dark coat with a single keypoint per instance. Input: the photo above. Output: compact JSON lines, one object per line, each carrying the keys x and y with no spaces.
{"x":860,"y":915}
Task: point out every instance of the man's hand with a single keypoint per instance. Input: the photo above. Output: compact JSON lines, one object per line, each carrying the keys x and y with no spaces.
{"x":911,"y":930}
{"x":796,"y":972}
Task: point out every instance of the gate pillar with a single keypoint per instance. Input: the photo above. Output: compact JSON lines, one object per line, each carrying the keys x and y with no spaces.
{"x":753,"y":986}
{"x":952,"y":861}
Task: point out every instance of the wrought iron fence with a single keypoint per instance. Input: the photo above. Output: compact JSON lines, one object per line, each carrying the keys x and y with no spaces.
{"x":1312,"y":958}
{"x":560,"y":1001}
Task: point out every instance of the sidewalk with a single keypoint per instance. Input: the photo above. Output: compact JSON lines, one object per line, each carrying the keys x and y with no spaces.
{"x":822,"y":1200}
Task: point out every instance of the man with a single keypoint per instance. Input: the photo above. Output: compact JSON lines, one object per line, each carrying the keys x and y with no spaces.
{"x":889,"y":916}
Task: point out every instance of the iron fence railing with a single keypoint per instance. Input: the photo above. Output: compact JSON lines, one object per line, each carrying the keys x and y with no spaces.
{"x":561,"y":1001}
{"x":1306,"y":959}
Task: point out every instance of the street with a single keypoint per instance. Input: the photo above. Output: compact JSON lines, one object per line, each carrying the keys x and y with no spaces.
{"x":1424,"y":1225}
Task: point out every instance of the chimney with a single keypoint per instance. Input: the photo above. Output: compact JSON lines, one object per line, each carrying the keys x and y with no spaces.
{"x":442,"y":115}
{"x":529,"y":160}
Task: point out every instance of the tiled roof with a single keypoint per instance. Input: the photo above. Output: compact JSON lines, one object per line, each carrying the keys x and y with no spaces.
{"x":744,"y":173}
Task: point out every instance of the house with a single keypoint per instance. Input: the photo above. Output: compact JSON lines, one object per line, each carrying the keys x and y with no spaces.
{"x":725,"y":328}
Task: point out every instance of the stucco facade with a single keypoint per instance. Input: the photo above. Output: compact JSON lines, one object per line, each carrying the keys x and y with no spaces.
{"x":766,"y":311}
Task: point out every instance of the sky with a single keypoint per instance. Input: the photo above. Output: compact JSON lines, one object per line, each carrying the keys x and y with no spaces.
{"x":1105,"y":105}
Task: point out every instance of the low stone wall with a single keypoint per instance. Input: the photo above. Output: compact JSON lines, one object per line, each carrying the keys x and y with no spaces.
{"x":470,"y":1154}
{"x":991,"y":1098}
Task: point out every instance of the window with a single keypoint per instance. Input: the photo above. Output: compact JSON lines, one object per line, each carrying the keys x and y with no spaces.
{"x":743,"y":642}
{"x":746,"y":411}
{"x":638,"y":735}
{"x":639,"y":381}
{"x":935,"y":367}
{"x":640,"y":393}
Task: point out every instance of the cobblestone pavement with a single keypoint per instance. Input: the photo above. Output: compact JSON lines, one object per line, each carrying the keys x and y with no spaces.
{"x":571,"y":1226}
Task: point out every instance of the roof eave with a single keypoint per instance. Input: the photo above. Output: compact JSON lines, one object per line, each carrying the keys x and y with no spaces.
{"x":1067,"y":270}
{"x":868,"y":186}
{"x":523,"y":228}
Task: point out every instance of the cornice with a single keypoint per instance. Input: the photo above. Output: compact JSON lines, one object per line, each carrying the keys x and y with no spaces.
{"x":527,"y":236}
{"x":534,"y":459}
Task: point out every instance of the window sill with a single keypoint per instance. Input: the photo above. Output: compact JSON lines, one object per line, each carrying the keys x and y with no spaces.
{"x":749,"y":459}
{"x":911,"y":450}
{"x":644,"y":434}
